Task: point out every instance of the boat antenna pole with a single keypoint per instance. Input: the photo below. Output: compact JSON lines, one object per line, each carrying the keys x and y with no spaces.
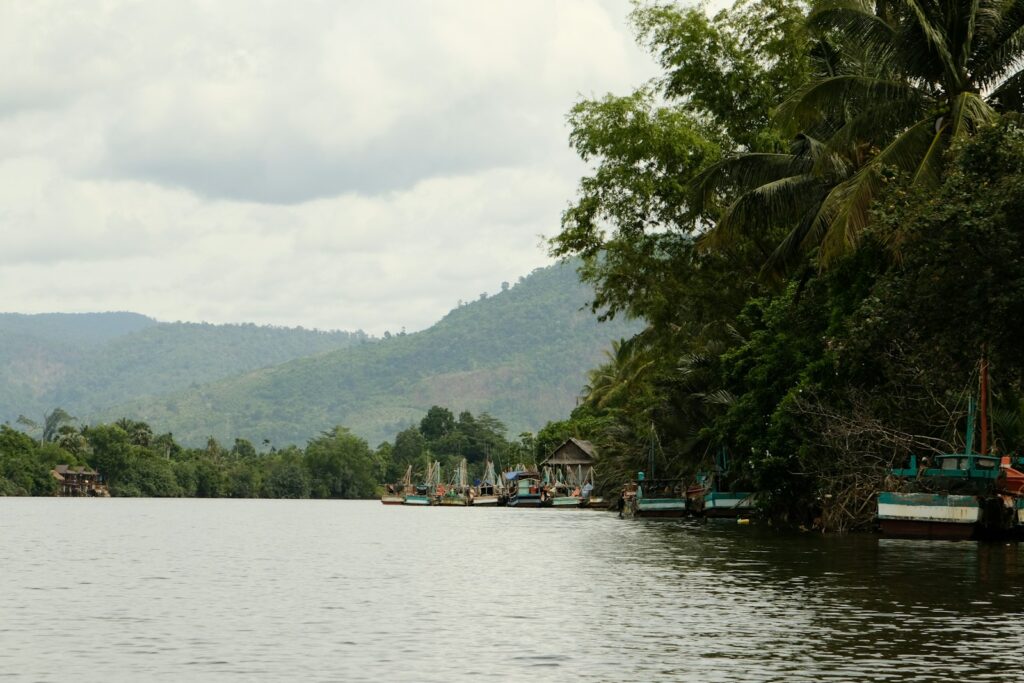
{"x":651,"y":459}
{"x":984,"y":401}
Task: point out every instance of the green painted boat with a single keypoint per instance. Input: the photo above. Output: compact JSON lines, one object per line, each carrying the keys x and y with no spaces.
{"x":729,"y":504}
{"x":659,"y":507}
{"x":568,"y":502}
{"x":426,"y":492}
{"x":525,"y":489}
{"x":453,"y":498}
{"x":417,"y":499}
{"x":957,"y":495}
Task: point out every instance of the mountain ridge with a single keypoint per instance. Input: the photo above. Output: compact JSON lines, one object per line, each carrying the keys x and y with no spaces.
{"x":521,"y":354}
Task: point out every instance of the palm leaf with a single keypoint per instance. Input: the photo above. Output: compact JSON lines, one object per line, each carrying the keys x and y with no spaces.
{"x":969,"y":112}
{"x":844,"y":212}
{"x":835,"y":95}
{"x":934,"y":38}
{"x":1009,"y":96}
{"x":998,"y":50}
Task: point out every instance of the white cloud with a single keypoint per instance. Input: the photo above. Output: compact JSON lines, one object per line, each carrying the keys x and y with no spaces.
{"x":317,"y":163}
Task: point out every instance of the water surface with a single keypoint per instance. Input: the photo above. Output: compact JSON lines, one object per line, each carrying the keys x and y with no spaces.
{"x":335,"y":590}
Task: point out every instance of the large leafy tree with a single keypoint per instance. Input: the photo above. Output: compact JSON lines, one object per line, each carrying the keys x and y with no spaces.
{"x":896,"y":83}
{"x":635,"y":224}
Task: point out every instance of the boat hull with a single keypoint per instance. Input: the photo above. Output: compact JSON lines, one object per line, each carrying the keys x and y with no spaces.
{"x":457,"y":501}
{"x":392,"y":500}
{"x":722,"y":504}
{"x":523,"y":502}
{"x":928,"y":515}
{"x":417,"y":500}
{"x":950,"y":531}
{"x":485,"y":501}
{"x":659,"y":508}
{"x":566,"y":502}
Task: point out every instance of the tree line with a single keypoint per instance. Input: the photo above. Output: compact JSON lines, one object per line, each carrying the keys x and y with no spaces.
{"x":135,"y":461}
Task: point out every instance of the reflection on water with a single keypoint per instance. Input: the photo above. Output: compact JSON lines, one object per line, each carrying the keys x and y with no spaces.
{"x":332,"y":590}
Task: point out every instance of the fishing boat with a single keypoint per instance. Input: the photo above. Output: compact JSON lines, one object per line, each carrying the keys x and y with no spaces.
{"x":487,"y":492}
{"x":717,"y":493}
{"x":525,"y":489}
{"x":655,"y":498}
{"x":652,"y":497}
{"x":565,"y":495}
{"x":569,"y":474}
{"x":728,"y":504}
{"x":425,"y":492}
{"x":956,"y":495}
{"x":457,"y":491}
{"x":394,"y":494}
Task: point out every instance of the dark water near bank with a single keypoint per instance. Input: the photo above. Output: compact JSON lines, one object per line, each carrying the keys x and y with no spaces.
{"x":278,"y":590}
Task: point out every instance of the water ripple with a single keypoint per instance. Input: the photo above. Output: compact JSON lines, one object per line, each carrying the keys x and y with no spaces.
{"x":281,"y":590}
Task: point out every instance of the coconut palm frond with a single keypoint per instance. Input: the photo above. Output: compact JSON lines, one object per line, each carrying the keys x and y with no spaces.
{"x":844,"y":212}
{"x":969,"y":112}
{"x":1000,"y":47}
{"x":836,"y":95}
{"x":744,"y":171}
{"x":1009,"y":95}
{"x":934,"y":38}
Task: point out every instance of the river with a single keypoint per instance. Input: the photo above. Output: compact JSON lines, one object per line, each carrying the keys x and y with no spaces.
{"x":224,"y":590}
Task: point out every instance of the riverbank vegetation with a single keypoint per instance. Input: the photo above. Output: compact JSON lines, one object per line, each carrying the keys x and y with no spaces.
{"x":816,"y":209}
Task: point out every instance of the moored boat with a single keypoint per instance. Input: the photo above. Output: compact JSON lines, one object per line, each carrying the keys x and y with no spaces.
{"x":928,"y":515}
{"x":652,"y":497}
{"x":418,"y":498}
{"x":526,"y":489}
{"x":569,"y":474}
{"x":566,"y":502}
{"x":394,"y":494}
{"x":425,"y":493}
{"x":720,"y":493}
{"x":655,"y":498}
{"x":728,"y":504}
{"x":457,"y":491}
{"x":956,"y":495}
{"x":487,"y":492}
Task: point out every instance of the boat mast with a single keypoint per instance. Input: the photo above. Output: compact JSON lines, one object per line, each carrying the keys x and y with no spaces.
{"x":984,"y":402}
{"x":650,"y":458}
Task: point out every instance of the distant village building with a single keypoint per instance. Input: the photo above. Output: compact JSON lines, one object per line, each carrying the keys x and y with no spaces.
{"x":573,"y":453}
{"x":79,"y":480}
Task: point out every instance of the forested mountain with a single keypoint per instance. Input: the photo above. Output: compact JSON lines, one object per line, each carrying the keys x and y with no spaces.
{"x":89,"y":362}
{"x":522,"y":355}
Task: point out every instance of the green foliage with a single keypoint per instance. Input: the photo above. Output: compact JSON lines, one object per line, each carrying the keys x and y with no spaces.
{"x":437,"y":423}
{"x":287,"y":476}
{"x":731,"y":69}
{"x":894,"y":85}
{"x":24,"y":466}
{"x":704,"y":216}
{"x":340,"y":465}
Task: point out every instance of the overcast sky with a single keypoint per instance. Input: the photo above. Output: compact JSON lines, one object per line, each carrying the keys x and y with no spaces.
{"x":330,"y":164}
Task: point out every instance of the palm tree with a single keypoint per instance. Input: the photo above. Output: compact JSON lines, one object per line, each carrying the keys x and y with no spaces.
{"x":622,"y":377}
{"x":898,"y":82}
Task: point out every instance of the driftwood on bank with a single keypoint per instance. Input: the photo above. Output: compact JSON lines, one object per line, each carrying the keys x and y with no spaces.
{"x":855,"y":453}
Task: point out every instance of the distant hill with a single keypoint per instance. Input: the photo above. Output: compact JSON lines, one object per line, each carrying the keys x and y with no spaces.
{"x":88,"y":362}
{"x":521,"y":355}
